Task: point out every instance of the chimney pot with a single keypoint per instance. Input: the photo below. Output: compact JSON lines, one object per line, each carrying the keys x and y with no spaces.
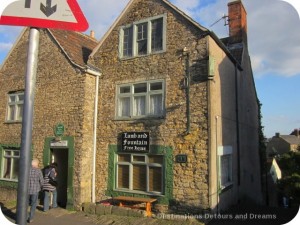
{"x":277,"y":135}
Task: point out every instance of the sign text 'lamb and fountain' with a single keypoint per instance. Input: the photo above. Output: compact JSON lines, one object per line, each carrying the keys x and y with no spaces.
{"x":135,"y":142}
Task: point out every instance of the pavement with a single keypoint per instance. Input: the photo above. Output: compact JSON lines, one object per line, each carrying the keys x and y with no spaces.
{"x":238,"y":215}
{"x":255,"y":215}
{"x":60,"y":216}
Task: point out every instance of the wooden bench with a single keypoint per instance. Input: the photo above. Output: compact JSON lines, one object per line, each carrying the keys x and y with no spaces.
{"x":147,"y":201}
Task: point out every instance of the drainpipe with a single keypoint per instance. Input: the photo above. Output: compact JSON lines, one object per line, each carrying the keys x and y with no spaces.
{"x":187,"y":78}
{"x":237,"y":126}
{"x":97,"y":74}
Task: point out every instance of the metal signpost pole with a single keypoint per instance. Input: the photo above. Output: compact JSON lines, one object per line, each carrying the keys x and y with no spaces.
{"x":27,"y":120}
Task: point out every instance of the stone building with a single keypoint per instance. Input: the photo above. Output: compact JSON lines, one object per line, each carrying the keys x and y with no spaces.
{"x":64,"y":95}
{"x":280,"y":144}
{"x":176,"y":114}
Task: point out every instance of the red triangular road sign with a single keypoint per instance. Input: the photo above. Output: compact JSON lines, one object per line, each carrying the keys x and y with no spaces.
{"x":57,"y":14}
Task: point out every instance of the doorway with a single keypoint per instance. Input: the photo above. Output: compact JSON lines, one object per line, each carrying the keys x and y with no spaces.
{"x":62,"y":152}
{"x":60,"y":156}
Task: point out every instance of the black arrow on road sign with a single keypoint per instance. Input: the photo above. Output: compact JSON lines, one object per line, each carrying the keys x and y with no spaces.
{"x":48,"y":10}
{"x":27,"y":3}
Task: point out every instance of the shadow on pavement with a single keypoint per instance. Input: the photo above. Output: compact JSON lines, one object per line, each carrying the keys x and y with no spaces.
{"x":254,"y":215}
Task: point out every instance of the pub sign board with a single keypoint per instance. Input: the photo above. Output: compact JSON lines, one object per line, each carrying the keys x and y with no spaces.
{"x":137,"y":142}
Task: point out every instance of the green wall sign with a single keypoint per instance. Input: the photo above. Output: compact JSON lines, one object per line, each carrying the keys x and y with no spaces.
{"x":59,"y":130}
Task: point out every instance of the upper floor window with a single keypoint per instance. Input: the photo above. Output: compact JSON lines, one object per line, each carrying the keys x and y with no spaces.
{"x":140,"y":99}
{"x":15,"y":106}
{"x":143,"y":37}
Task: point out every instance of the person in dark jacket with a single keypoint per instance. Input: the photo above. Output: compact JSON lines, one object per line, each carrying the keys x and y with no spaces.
{"x":49,"y":187}
{"x":35,"y":185}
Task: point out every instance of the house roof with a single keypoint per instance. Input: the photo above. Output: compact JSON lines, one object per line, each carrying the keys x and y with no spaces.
{"x":193,"y":22}
{"x":291,"y":139}
{"x":76,"y":46}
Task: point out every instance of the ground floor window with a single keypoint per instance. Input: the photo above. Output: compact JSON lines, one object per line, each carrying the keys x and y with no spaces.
{"x":137,"y":172}
{"x":225,"y":166}
{"x":10,"y":164}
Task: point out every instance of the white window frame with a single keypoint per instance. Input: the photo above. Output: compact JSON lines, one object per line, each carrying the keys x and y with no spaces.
{"x":17,"y":103}
{"x":149,"y":35}
{"x":225,"y":151}
{"x":131,"y":95}
{"x":15,"y":155}
{"x":145,"y":163}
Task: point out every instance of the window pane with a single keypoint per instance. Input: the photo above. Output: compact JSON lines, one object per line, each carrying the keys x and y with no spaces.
{"x":155,"y":179}
{"x":142,"y":31}
{"x":225,"y":169}
{"x":138,"y":158}
{"x":12,"y":98}
{"x":139,"y":107}
{"x":11,"y":112}
{"x":127,"y":41}
{"x":156,"y":159}
{"x":156,"y":86}
{"x":140,"y":88}
{"x":139,"y":177}
{"x":124,"y":89}
{"x":123,"y":176}
{"x":156,"y":104}
{"x":20,"y":112}
{"x":124,"y":158}
{"x":124,"y":106}
{"x":15,"y":169}
{"x":142,"y":47}
{"x":142,"y":38}
{"x":7,"y":153}
{"x":7,"y":167}
{"x":157,"y":35}
{"x":21,"y":97}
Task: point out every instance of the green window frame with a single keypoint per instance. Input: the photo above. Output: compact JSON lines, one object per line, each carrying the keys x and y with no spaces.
{"x":166,"y":151}
{"x":141,"y":173}
{"x":9,"y":164}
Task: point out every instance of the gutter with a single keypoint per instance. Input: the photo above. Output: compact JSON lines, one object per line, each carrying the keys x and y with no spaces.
{"x":94,"y":72}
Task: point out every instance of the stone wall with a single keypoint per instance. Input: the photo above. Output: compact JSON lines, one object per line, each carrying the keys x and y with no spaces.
{"x":190,"y":179}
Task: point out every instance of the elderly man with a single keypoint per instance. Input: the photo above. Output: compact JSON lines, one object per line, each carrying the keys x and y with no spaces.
{"x":35,"y":185}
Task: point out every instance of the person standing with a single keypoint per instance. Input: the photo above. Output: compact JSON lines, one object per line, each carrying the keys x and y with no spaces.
{"x":49,"y":186}
{"x":35,"y":185}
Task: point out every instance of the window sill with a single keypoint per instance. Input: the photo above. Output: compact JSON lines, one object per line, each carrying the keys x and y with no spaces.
{"x":13,"y":122}
{"x":124,"y":58}
{"x":139,"y":118}
{"x":140,"y":192}
{"x":8,"y":180}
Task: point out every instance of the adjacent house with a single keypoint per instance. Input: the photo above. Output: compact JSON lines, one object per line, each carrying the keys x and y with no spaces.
{"x":160,"y":107}
{"x":65,"y":93}
{"x":280,"y":144}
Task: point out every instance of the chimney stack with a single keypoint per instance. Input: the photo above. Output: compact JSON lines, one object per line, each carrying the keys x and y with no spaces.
{"x":237,"y":20}
{"x":296,"y":133}
{"x":92,"y":34}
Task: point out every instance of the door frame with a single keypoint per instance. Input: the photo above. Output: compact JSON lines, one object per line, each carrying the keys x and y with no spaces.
{"x":47,"y":159}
